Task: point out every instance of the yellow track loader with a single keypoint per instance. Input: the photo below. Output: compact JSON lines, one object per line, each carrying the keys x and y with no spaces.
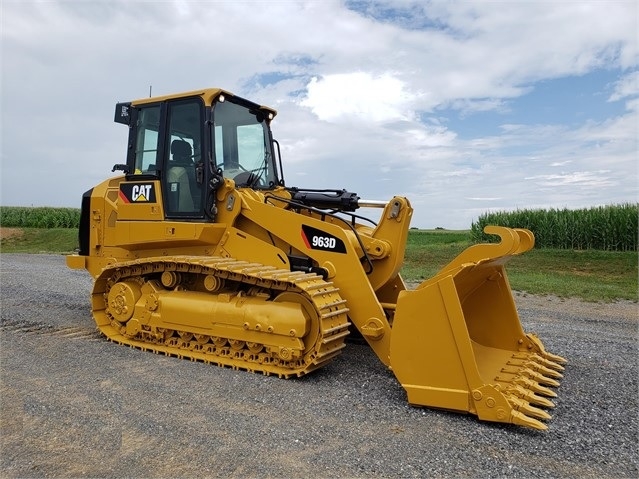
{"x":199,"y":250}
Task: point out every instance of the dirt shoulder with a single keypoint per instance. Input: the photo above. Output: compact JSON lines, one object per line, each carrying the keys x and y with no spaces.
{"x":9,"y":232}
{"x":619,"y":309}
{"x":625,"y":309}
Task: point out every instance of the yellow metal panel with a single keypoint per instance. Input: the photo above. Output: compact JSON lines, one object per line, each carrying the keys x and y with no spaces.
{"x":237,"y":244}
{"x":75,"y":261}
{"x":148,"y":235}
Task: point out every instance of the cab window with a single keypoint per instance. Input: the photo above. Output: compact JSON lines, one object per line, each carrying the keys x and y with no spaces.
{"x":146,"y":149}
{"x":242,"y":145}
{"x":184,"y":163}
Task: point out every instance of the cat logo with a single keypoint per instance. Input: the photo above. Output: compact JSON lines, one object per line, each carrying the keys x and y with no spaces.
{"x":137,"y":193}
{"x":141,"y":192}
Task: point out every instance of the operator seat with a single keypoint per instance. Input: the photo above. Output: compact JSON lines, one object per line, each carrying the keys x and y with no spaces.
{"x":182,"y":152}
{"x":181,"y":172}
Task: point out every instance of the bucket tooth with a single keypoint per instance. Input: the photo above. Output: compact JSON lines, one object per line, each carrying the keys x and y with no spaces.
{"x":531,"y":374}
{"x":528,"y":409}
{"x":521,"y":419}
{"x":540,"y":360}
{"x":554,"y":358}
{"x":531,"y":397}
{"x":540,"y":378}
{"x":536,"y":366}
{"x":544,"y":370}
{"x":548,"y":363}
{"x":542,"y":350}
{"x":548,"y":381}
{"x":534,"y":386}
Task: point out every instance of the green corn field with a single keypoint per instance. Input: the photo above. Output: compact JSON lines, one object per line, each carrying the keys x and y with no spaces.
{"x":607,"y":228}
{"x":39,"y":217}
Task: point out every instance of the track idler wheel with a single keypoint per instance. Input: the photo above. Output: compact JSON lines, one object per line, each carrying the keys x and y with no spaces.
{"x":121,"y":300}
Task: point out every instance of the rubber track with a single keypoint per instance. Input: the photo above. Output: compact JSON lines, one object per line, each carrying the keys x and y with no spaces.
{"x":329,"y":306}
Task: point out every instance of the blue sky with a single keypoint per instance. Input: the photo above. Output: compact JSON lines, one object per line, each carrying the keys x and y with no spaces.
{"x":568,"y":101}
{"x":463,"y":107}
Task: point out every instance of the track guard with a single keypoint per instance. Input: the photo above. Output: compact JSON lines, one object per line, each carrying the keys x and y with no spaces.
{"x":458,"y":344}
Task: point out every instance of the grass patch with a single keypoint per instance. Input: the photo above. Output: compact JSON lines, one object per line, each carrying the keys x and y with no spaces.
{"x":588,"y":274}
{"x":591,"y":275}
{"x":428,"y":251}
{"x":41,"y":240}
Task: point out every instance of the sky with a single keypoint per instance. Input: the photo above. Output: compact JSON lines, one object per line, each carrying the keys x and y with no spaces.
{"x":462,"y":107}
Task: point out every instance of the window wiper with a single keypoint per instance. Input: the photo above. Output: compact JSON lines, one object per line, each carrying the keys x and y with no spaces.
{"x":254,"y":179}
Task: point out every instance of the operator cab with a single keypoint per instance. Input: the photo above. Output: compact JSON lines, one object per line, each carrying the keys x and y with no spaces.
{"x":243,"y":146}
{"x":190,"y":147}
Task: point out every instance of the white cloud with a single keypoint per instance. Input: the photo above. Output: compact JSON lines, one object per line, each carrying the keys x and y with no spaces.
{"x":627,"y":86}
{"x":495,"y":198}
{"x":579,"y":178}
{"x":362,"y":97}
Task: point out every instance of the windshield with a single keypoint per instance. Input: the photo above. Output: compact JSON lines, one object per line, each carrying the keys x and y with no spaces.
{"x":242,"y":145}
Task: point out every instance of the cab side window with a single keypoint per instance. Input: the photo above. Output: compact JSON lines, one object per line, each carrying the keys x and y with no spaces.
{"x":184,"y":162}
{"x":146,"y":150}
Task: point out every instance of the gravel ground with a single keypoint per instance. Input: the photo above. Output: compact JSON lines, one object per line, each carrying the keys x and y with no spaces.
{"x":76,"y":405}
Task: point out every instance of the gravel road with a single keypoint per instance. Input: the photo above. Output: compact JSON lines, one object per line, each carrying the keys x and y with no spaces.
{"x":76,"y":405}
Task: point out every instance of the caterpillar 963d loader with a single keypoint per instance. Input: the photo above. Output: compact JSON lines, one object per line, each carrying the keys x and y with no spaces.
{"x":199,"y":250}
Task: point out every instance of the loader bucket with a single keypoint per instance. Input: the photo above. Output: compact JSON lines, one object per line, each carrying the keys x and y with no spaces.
{"x":457,"y":342}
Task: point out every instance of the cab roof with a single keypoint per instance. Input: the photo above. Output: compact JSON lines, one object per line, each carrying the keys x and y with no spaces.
{"x":208,"y":95}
